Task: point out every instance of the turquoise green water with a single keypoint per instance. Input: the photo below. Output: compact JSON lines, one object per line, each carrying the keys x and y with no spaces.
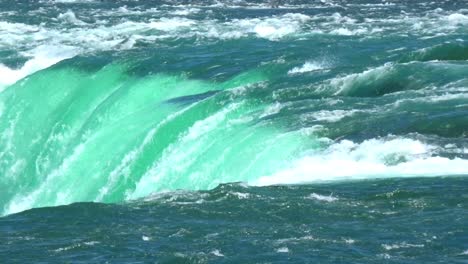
{"x":318,"y":111}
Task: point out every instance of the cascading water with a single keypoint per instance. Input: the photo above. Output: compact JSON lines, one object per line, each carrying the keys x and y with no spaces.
{"x":201,"y":114}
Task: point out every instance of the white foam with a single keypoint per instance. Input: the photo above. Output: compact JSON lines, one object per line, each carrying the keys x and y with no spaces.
{"x":70,"y":17}
{"x":67,"y":248}
{"x":457,"y":19}
{"x":307,"y":67}
{"x":375,"y":158}
{"x":122,"y":170}
{"x":323,"y":198}
{"x":434,"y":98}
{"x":240,"y":195}
{"x":217,"y":253}
{"x":90,"y":243}
{"x":401,"y":245}
{"x":330,"y":116}
{"x":273,"y":31}
{"x":272,"y":28}
{"x":42,"y":57}
{"x":185,"y":11}
{"x":348,"y":32}
{"x":171,"y":24}
{"x":272,"y":110}
{"x":13,"y":28}
{"x":283,"y":250}
{"x":384,"y":256}
{"x":73,"y":1}
{"x":104,"y":35}
{"x":346,"y":83}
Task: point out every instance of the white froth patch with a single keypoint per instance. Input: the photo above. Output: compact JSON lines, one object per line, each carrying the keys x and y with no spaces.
{"x":309,"y":66}
{"x":73,"y":1}
{"x":79,"y":245}
{"x":457,"y":19}
{"x":375,"y":158}
{"x":217,"y":253}
{"x":282,"y":250}
{"x":240,"y":195}
{"x":11,"y":29}
{"x":42,"y":57}
{"x":434,"y":98}
{"x":103,"y":35}
{"x":342,"y":31}
{"x":185,"y":12}
{"x":123,"y":169}
{"x":172,"y":24}
{"x":348,"y":32}
{"x":272,"y":110}
{"x":346,"y":83}
{"x":401,"y":245}
{"x":47,"y":46}
{"x":70,"y":17}
{"x":272,"y":31}
{"x":271,"y":28}
{"x":324,"y":198}
{"x":331,"y":116}
{"x":67,"y":248}
{"x":384,"y":256}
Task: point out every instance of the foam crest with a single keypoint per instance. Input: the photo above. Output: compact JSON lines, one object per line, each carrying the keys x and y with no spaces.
{"x":171,"y":24}
{"x":447,"y":52}
{"x":374,"y":158}
{"x":136,"y":25}
{"x":348,"y":32}
{"x":392,"y":78}
{"x":331,"y":115}
{"x":70,"y":17}
{"x":73,"y":1}
{"x":272,"y":110}
{"x":185,"y":11}
{"x":271,"y":28}
{"x":457,"y":19}
{"x":42,"y":57}
{"x":309,"y":66}
{"x":348,"y":83}
{"x":324,"y":198}
{"x":14,"y":28}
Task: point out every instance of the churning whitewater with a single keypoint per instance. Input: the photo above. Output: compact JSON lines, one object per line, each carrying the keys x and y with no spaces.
{"x":275,"y":106}
{"x":181,"y":103}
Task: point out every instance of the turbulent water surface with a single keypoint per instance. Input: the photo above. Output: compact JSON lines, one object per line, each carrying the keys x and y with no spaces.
{"x":227,"y":131}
